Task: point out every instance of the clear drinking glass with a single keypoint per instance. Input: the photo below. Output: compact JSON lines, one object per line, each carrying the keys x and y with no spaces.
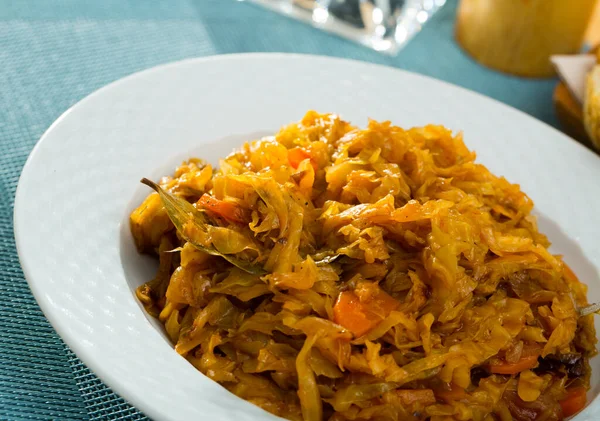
{"x":383,"y":25}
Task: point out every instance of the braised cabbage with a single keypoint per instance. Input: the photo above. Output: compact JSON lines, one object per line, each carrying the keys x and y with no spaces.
{"x":336,"y":273}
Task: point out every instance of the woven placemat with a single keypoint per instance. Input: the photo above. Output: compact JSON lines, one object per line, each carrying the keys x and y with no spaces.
{"x":55,"y":52}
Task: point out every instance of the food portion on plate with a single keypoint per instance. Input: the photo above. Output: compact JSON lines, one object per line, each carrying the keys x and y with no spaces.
{"x":336,"y":273}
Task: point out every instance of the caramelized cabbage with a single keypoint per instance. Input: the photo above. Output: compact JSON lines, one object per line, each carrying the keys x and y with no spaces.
{"x":332,"y":272}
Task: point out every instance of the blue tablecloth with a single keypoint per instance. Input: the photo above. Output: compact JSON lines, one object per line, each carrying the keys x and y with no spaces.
{"x":55,"y":52}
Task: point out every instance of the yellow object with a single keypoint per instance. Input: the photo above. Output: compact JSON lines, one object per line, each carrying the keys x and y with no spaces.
{"x":387,"y":276}
{"x":570,"y":113}
{"x":519,"y":36}
{"x":591,"y":106}
{"x":592,"y":36}
{"x":530,"y":386}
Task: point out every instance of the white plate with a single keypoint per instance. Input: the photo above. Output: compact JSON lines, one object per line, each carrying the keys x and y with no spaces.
{"x":82,"y":180}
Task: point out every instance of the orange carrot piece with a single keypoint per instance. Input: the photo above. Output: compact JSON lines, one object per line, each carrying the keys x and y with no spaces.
{"x":574,"y":402}
{"x":297,"y":155}
{"x":226,"y":210}
{"x":525,"y":363}
{"x":361,"y":313}
{"x":349,"y":312}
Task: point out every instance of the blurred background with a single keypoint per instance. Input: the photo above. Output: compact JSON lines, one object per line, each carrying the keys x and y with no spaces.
{"x":55,"y":52}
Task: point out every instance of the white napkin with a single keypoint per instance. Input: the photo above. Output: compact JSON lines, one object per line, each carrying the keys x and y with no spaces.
{"x":572,"y":69}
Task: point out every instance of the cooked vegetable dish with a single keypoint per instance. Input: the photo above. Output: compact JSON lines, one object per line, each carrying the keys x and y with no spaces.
{"x":337,"y":273}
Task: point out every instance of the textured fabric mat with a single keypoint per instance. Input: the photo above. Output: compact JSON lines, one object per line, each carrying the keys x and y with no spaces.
{"x":55,"y":52}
